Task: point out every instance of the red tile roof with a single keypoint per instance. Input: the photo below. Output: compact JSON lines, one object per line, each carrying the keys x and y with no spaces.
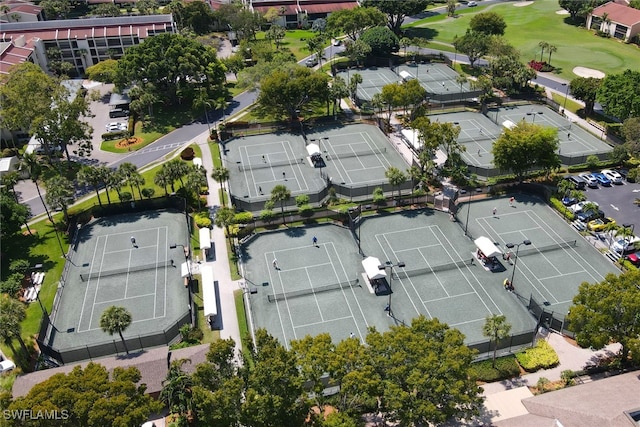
{"x":618,"y":13}
{"x":327,"y":6}
{"x":27,"y":8}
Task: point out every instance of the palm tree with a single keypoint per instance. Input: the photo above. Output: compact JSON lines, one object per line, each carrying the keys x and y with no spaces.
{"x":611,"y":228}
{"x":543,"y":44}
{"x":30,"y":163}
{"x":129,"y":173}
{"x":221,"y":175}
{"x":461,"y":80}
{"x":176,"y":170}
{"x":395,"y":177}
{"x":356,"y":79}
{"x":116,"y":319}
{"x":280,"y":193}
{"x":162,"y":179}
{"x":225,"y":218}
{"x":94,"y":177}
{"x":196,"y":180}
{"x":551,"y":48}
{"x":59,"y":194}
{"x":496,"y":328}
{"x":12,"y":313}
{"x":177,"y":390}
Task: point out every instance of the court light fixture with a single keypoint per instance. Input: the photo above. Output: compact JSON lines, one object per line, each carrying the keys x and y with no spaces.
{"x":515,"y":260}
{"x":390,"y":265}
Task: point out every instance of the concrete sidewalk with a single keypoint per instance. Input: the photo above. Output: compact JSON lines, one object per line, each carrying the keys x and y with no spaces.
{"x":221,"y":269}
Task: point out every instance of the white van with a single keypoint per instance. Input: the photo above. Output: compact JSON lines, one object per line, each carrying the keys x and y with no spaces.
{"x":626,"y":245}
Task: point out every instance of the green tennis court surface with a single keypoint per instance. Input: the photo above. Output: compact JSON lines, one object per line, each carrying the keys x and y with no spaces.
{"x":106,"y":268}
{"x":323,"y":288}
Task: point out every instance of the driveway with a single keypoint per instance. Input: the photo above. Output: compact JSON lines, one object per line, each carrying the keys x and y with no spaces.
{"x":617,"y":202}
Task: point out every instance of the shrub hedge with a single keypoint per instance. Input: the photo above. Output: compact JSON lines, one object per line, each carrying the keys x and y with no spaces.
{"x":506,"y":367}
{"x":557,"y":205}
{"x":542,"y":356}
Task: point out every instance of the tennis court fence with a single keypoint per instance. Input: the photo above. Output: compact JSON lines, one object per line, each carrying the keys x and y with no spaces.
{"x":313,"y":290}
{"x":125,"y":270}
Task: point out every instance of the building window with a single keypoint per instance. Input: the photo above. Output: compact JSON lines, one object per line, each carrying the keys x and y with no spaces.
{"x":595,"y":22}
{"x":620,"y":32}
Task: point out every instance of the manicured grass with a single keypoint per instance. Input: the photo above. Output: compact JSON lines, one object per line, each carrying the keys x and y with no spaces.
{"x":242,"y":323}
{"x":296,"y":41}
{"x":572,"y":106}
{"x":529,"y":25}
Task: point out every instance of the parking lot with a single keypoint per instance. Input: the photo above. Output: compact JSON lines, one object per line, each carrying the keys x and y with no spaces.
{"x":617,"y":202}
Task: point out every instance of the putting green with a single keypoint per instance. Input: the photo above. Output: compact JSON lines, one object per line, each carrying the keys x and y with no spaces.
{"x":527,"y":26}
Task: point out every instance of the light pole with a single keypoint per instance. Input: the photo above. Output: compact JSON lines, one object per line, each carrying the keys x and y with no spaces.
{"x":515,"y":261}
{"x":384,"y":266}
{"x":566,"y":94}
{"x":466,"y":224}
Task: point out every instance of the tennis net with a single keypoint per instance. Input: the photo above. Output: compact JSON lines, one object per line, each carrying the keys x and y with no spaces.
{"x":361,"y":153}
{"x":403,"y":274}
{"x":311,"y":291}
{"x":267,"y":165}
{"x":96,"y":274}
{"x":476,"y":138}
{"x":547,"y":248}
{"x":565,"y":127}
{"x":374,"y":83}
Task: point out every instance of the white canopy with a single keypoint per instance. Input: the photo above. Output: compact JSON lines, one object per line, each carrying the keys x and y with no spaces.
{"x":412,"y":137}
{"x":313,"y":149}
{"x":208,"y":292}
{"x":370,"y":265}
{"x":205,"y":238}
{"x":508,"y":124}
{"x":405,"y":75}
{"x":487,"y":247}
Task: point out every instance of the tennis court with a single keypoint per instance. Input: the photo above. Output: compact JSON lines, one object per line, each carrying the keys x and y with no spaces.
{"x":351,"y":155}
{"x":556,"y":262}
{"x":124,"y":261}
{"x":438,"y":79}
{"x":574,"y":141}
{"x":373,"y":79}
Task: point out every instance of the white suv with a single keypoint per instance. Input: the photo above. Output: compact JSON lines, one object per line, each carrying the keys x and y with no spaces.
{"x":613,"y":176}
{"x":6,"y":366}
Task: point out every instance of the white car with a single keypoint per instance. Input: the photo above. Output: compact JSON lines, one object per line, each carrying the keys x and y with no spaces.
{"x":116,"y":126}
{"x":613,"y":176}
{"x":6,"y":366}
{"x":590,"y":179}
{"x":577,"y":208}
{"x":626,"y":245}
{"x":472,"y":3}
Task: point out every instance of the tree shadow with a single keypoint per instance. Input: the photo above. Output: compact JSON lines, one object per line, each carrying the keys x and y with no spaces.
{"x":423,"y":33}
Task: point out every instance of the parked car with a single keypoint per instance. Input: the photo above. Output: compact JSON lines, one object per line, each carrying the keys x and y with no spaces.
{"x":600,"y":223}
{"x":115,"y":127}
{"x":472,"y":3}
{"x":569,"y":201}
{"x":602,"y":179}
{"x":623,"y":172}
{"x":614,"y":176}
{"x":577,"y":181}
{"x":590,"y":215}
{"x":118,"y":112}
{"x":577,"y":208}
{"x":626,"y":245}
{"x":634,"y":258}
{"x":591,"y":181}
{"x":336,"y":42}
{"x":311,"y":62}
{"x":6,"y":366}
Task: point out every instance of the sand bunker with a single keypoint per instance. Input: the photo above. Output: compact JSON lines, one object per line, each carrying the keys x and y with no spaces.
{"x":562,"y":12}
{"x":588,"y":72}
{"x":522,"y":3}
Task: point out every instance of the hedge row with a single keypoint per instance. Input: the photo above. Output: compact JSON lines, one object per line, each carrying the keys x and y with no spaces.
{"x":557,"y":205}
{"x":506,"y":367}
{"x":542,"y":356}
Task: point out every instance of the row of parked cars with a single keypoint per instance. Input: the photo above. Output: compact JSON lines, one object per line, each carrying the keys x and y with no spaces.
{"x":604,"y":178}
{"x":589,"y":213}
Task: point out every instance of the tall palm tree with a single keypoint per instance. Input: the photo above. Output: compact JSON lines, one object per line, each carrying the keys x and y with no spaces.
{"x":395,"y":177}
{"x":116,"y":319}
{"x":280,"y":193}
{"x":30,"y":163}
{"x":59,"y":194}
{"x":543,"y":44}
{"x":461,"y":80}
{"x":93,"y":176}
{"x":12,"y":313}
{"x":177,"y":390}
{"x":196,"y":180}
{"x":129,"y":173}
{"x":356,"y":79}
{"x":221,"y":175}
{"x":176,"y":170}
{"x":225,"y":218}
{"x":162,"y":179}
{"x":551,"y":48}
{"x":496,"y":328}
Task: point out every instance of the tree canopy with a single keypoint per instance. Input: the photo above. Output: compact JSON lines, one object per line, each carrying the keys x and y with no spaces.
{"x":381,"y":40}
{"x":354,"y":21}
{"x":397,"y":10}
{"x":474,"y":45}
{"x":284,"y":93}
{"x":607,"y":312}
{"x":12,"y":214}
{"x":619,"y":94}
{"x":586,"y":90}
{"x":91,"y":397}
{"x":525,"y":147}
{"x":173,"y":68}
{"x":489,"y":23}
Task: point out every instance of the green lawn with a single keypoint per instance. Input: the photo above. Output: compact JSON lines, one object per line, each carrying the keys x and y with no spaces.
{"x":296,"y":41}
{"x":529,"y":25}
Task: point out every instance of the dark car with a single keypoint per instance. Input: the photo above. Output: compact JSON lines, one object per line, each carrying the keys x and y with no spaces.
{"x":624,"y":172}
{"x":602,"y":179}
{"x":568,"y":200}
{"x":577,"y":181}
{"x":118,"y":112}
{"x":590,"y":215}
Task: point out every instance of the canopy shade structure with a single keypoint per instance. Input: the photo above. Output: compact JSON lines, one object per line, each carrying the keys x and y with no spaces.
{"x":205,"y":238}
{"x":208,"y":293}
{"x":488,"y":248}
{"x":508,"y":124}
{"x":406,"y":76}
{"x":370,"y":265}
{"x":412,"y":137}
{"x":313,"y":149}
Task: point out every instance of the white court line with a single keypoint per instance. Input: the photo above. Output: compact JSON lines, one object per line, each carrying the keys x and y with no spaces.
{"x":324,"y":321}
{"x":135,"y":321}
{"x":84,"y":301}
{"x":315,"y":297}
{"x":468,"y":321}
{"x":300,"y":172}
{"x":304,"y":267}
{"x":449,"y":297}
{"x":562,"y":275}
{"x":353,"y":293}
{"x":126,"y":279}
{"x":93,"y":306}
{"x":129,"y":249}
{"x":269,"y":265}
{"x":121,"y":299}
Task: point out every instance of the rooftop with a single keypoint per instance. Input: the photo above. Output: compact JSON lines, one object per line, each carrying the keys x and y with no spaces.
{"x":618,"y":13}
